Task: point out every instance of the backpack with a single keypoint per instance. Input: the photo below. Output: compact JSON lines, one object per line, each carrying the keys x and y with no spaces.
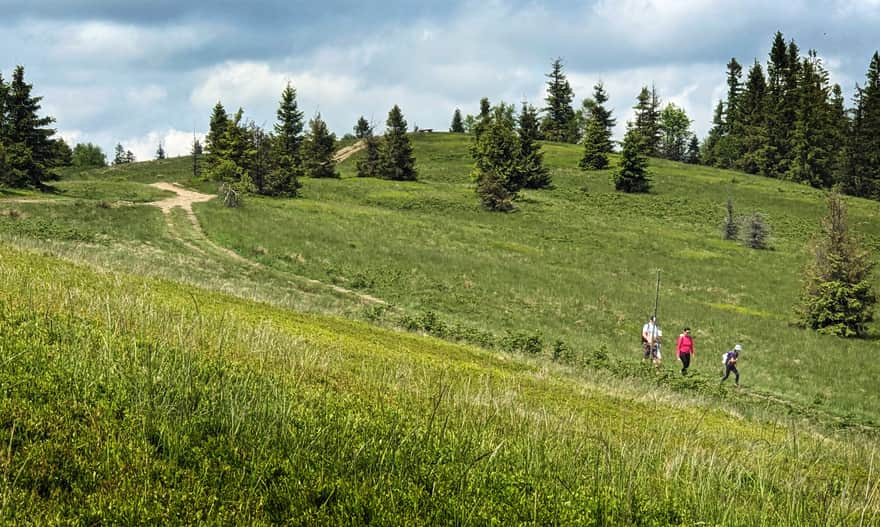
{"x":724,"y":358}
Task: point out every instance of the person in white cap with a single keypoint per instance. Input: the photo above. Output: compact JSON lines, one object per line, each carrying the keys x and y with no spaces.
{"x":730,"y":359}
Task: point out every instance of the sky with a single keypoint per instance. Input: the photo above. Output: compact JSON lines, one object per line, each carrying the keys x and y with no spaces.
{"x":141,"y":73}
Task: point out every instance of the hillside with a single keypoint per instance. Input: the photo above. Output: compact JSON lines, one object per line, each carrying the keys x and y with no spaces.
{"x":262,"y":411}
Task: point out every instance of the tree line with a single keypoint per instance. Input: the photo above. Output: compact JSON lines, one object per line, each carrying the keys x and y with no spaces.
{"x":244,"y":157}
{"x":792,"y":123}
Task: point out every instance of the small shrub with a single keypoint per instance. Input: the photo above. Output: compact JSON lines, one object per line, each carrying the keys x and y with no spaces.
{"x":493,"y":195}
{"x":731,"y":227}
{"x":758,"y":233}
{"x":521,"y":342}
{"x":232,"y":197}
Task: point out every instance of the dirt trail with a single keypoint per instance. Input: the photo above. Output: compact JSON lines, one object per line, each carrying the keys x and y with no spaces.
{"x":185,"y":199}
{"x":344,"y":153}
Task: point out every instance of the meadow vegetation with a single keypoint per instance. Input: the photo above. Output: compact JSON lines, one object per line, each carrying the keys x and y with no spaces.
{"x":217,"y":388}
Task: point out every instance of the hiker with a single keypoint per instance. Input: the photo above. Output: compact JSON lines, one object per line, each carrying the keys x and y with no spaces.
{"x":684,"y":349}
{"x":730,"y":359}
{"x":651,"y":337}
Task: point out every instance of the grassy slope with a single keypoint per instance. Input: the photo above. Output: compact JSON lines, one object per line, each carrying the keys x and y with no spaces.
{"x":578,"y":263}
{"x":129,"y":400}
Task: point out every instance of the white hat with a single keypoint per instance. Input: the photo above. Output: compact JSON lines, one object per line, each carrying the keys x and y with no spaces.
{"x":737,"y":348}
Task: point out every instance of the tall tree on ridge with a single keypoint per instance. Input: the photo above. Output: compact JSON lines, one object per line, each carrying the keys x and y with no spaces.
{"x":632,"y":176}
{"x":861,"y":176}
{"x":597,"y":137}
{"x":812,"y":148}
{"x":216,"y":133}
{"x":362,"y":129}
{"x":27,"y":136}
{"x":674,"y":132}
{"x":457,"y":125}
{"x":559,"y":123}
{"x":647,"y":120}
{"x":753,"y":122}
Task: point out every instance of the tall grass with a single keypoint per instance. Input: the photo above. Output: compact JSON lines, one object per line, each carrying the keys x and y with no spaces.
{"x":129,"y":400}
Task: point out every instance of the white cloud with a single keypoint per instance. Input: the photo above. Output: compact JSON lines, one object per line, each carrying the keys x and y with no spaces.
{"x":174,"y":142}
{"x":146,"y":95}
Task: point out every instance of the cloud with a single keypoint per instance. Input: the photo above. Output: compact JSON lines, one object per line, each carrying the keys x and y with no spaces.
{"x":174,"y":142}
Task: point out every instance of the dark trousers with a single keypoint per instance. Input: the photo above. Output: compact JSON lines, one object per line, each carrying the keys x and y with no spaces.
{"x":685,"y":362}
{"x":730,"y":367}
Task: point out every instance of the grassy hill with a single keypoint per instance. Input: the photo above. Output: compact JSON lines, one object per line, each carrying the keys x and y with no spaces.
{"x":129,"y":397}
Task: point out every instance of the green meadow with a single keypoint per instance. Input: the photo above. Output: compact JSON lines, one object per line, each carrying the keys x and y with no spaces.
{"x":389,"y":353}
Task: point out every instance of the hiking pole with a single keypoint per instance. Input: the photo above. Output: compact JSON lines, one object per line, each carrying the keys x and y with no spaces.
{"x":654,"y":344}
{"x":657,"y":296}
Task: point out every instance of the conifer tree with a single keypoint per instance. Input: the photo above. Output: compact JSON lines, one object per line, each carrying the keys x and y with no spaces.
{"x":753,"y":122}
{"x":216,"y":133}
{"x":396,"y":154}
{"x":119,"y":157}
{"x":289,"y":128}
{"x":559,"y":122}
{"x":362,"y":129}
{"x":709,"y":153}
{"x":647,"y":120}
{"x":781,"y":102}
{"x":731,"y":227}
{"x":318,"y":146}
{"x":30,"y":149}
{"x":481,"y":122}
{"x":196,"y":155}
{"x":861,"y":175}
{"x":4,"y":117}
{"x":531,"y":159}
{"x":129,"y":156}
{"x":632,"y":175}
{"x":812,"y":147}
{"x":597,"y":136}
{"x":160,"y":152}
{"x":837,"y":297}
{"x":497,"y":171}
{"x":457,"y":126}
{"x":369,"y":165}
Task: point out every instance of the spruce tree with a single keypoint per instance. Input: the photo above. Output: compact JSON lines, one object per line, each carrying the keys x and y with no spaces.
{"x":713,"y":140}
{"x":119,"y":157}
{"x":369,"y":165}
{"x":647,"y":120}
{"x":457,"y":126}
{"x":497,"y":170}
{"x":730,"y":231}
{"x":837,"y":296}
{"x":559,"y":123}
{"x":396,"y":154}
{"x":531,"y":159}
{"x":597,"y":136}
{"x":482,"y":120}
{"x":753,"y":122}
{"x":779,"y":110}
{"x":632,"y":175}
{"x":196,"y":156}
{"x":319,"y":147}
{"x":362,"y":128}
{"x":216,"y":133}
{"x":4,"y":110}
{"x":812,"y":148}
{"x":27,"y":135}
{"x":160,"y":152}
{"x":286,"y":165}
{"x":129,"y":156}
{"x":862,"y":170}
{"x":289,"y":128}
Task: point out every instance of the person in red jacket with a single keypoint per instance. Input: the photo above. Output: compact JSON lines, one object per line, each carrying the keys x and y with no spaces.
{"x":685,"y":349}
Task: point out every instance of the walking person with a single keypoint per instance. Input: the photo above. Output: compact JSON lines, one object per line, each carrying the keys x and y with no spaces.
{"x":684,"y":349}
{"x":651,"y":336}
{"x":730,"y":360}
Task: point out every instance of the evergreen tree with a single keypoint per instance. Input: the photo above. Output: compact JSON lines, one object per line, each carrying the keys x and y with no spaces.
{"x":30,"y":149}
{"x":758,"y":232}
{"x":88,"y":155}
{"x":709,"y":153}
{"x":457,"y":126}
{"x":597,"y":136}
{"x":319,"y":146}
{"x":129,"y":156}
{"x":780,"y":109}
{"x":674,"y":132}
{"x":862,"y":170}
{"x":753,"y":122}
{"x":531,"y":159}
{"x":837,"y":297}
{"x":369,"y":165}
{"x":160,"y":152}
{"x":483,"y":119}
{"x":632,"y":176}
{"x":647,"y":120}
{"x":497,"y":170}
{"x":119,"y":157}
{"x":559,"y":123}
{"x":282,"y":163}
{"x":196,"y":155}
{"x":731,"y":227}
{"x":726,"y":143}
{"x":812,"y":147}
{"x":362,"y":129}
{"x":4,"y":111}
{"x":289,"y":128}
{"x":216,"y":133}
{"x":692,"y":155}
{"x":396,"y":154}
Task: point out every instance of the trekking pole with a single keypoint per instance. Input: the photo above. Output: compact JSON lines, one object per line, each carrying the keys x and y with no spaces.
{"x":657,"y":296}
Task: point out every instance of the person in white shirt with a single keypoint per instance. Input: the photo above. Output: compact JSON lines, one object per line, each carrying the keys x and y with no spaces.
{"x":651,"y":337}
